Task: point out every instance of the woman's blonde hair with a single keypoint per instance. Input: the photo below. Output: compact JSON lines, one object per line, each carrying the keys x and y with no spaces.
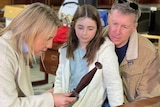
{"x":35,"y":19}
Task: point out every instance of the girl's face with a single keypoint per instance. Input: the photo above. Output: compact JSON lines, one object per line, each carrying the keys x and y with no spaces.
{"x":42,"y":42}
{"x":85,"y":29}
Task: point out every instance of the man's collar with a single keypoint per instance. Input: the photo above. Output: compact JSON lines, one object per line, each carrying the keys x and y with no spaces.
{"x":132,"y":51}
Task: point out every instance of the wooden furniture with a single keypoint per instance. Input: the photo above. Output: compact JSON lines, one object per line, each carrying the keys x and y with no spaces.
{"x":4,"y":2}
{"x":2,"y":20}
{"x":48,"y":2}
{"x":148,"y":1}
{"x":49,"y":64}
{"x":59,"y":2}
{"x":150,"y":102}
{"x":156,"y":37}
{"x":51,"y":59}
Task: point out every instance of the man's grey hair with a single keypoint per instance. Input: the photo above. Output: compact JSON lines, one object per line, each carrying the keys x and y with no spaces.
{"x":125,"y":7}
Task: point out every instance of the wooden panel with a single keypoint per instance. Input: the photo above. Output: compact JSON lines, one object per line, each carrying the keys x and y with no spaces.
{"x":2,"y":20}
{"x":50,"y":62}
{"x":143,"y":1}
{"x":110,"y":2}
{"x":155,"y":1}
{"x":4,"y":2}
{"x":148,"y":1}
{"x":21,"y":1}
{"x":55,"y":2}
{"x":41,"y":1}
{"x":105,"y":2}
{"x":150,"y":102}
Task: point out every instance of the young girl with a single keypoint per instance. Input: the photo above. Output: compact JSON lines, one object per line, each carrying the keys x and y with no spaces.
{"x":84,"y":47}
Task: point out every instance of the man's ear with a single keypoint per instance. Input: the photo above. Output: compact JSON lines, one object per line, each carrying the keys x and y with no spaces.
{"x":109,"y":15}
{"x":135,"y":25}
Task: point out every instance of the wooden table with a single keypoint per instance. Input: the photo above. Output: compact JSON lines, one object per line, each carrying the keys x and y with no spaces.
{"x":150,"y":102}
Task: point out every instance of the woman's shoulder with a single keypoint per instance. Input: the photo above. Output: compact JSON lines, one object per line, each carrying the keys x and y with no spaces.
{"x":4,"y":44}
{"x":7,"y":53}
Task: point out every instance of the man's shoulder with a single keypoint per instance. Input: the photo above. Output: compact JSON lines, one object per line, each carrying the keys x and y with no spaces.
{"x":146,"y":44}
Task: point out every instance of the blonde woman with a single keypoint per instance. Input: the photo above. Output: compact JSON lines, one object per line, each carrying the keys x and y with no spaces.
{"x":29,"y":34}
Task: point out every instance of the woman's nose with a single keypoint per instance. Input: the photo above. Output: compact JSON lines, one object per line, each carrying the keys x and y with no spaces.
{"x":49,"y":44}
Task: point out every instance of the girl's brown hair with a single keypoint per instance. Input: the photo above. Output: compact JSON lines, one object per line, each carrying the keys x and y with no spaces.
{"x":94,"y":45}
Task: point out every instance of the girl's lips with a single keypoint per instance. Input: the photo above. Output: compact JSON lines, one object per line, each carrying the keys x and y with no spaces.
{"x":83,"y":38}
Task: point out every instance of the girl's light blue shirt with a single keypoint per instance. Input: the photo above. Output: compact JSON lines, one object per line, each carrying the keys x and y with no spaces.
{"x":78,"y":67}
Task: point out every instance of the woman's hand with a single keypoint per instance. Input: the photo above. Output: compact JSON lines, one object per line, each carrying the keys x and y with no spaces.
{"x":63,"y":100}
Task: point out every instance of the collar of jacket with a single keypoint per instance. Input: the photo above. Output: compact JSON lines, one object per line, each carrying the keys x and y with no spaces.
{"x":132,"y":51}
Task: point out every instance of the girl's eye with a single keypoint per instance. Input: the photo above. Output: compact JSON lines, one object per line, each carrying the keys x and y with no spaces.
{"x":80,"y":27}
{"x":90,"y":28}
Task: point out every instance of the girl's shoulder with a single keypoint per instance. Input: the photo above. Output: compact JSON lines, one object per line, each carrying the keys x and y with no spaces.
{"x":108,"y":42}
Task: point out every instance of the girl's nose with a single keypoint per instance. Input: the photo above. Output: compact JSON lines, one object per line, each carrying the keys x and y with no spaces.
{"x":84,"y":31}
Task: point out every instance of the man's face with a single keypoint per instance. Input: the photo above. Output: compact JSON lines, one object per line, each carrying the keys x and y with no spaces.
{"x":121,"y":27}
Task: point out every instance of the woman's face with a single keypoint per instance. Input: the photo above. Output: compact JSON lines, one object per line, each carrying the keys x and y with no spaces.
{"x":85,"y":29}
{"x":42,"y":42}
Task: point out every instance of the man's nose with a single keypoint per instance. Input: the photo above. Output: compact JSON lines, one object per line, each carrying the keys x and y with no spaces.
{"x":118,"y":30}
